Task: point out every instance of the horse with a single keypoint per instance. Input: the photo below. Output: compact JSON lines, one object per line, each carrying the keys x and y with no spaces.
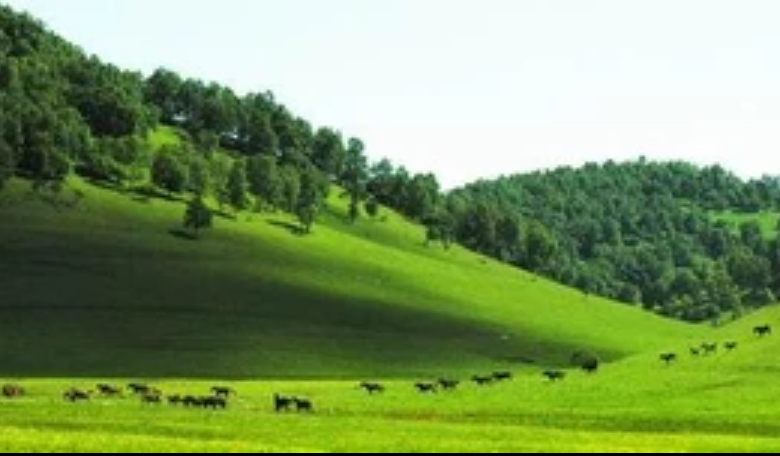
{"x":762,"y":330}
{"x":554,"y":374}
{"x":12,"y":390}
{"x":303,"y":404}
{"x":425,"y":387}
{"x":282,"y":402}
{"x":667,"y":357}
{"x":372,"y":387}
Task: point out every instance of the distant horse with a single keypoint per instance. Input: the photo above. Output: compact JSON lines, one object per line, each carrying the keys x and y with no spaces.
{"x":282,"y":402}
{"x":372,"y":387}
{"x":12,"y":390}
{"x":501,"y":375}
{"x":667,"y":357}
{"x":108,"y":390}
{"x":762,"y":330}
{"x":447,"y":383}
{"x":554,"y":374}
{"x":74,"y":394}
{"x":222,"y":390}
{"x":482,"y":379}
{"x":303,"y":404}
{"x":709,"y":347}
{"x":425,"y":387}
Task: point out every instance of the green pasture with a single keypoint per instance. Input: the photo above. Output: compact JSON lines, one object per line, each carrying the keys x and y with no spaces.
{"x":721,"y":402}
{"x":101,"y":286}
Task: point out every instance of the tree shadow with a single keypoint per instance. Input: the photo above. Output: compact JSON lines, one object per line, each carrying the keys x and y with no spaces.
{"x":144,"y":193}
{"x":182,"y":234}
{"x":221,"y":213}
{"x":293,"y":228}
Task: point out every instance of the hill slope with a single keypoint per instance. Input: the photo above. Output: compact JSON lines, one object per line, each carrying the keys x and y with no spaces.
{"x":100,"y":286}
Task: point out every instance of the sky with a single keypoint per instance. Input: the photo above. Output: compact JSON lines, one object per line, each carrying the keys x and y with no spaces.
{"x":475,"y":89}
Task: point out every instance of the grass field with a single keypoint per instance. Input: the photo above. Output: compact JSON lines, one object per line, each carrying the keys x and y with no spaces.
{"x":722,"y":402}
{"x":97,"y":286}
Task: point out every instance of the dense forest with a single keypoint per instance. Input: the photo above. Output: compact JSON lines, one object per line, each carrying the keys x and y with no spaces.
{"x":687,"y":242}
{"x":692,"y":243}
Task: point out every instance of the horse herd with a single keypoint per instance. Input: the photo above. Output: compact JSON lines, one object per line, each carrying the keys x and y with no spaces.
{"x":709,"y":348}
{"x":218,"y":395}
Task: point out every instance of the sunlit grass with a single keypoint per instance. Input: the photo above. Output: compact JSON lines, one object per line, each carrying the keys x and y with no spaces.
{"x":104,"y":286}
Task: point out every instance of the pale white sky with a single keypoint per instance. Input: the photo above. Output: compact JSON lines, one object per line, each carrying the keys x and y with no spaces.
{"x":470,"y":89}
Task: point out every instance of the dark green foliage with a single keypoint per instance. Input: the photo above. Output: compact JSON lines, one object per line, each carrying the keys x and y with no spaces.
{"x":197,"y":216}
{"x":354,"y":176}
{"x":438,"y":228}
{"x":371,"y":206}
{"x":639,"y":232}
{"x":265,"y":181}
{"x":168,"y":170}
{"x":237,"y":187}
{"x":585,"y":360}
{"x":314,"y":188}
{"x":6,"y":162}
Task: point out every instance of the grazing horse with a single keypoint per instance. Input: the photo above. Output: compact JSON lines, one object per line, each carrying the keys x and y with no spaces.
{"x":282,"y":402}
{"x":74,"y":394}
{"x":151,"y":397}
{"x":372,"y":387}
{"x":108,"y":390}
{"x":138,"y":388}
{"x":447,"y":383}
{"x":425,"y":387}
{"x":554,"y":374}
{"x":667,"y":357}
{"x":12,"y":390}
{"x":762,"y":330}
{"x":224,"y":391}
{"x":709,"y":347}
{"x":303,"y":404}
{"x":482,"y":379}
{"x":501,"y":375}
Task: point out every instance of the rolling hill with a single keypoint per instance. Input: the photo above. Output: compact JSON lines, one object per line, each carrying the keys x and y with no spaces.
{"x":94,"y":282}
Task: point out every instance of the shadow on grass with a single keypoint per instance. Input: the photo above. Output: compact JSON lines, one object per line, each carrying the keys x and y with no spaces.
{"x":183,"y":234}
{"x":221,"y":213}
{"x":293,"y":228}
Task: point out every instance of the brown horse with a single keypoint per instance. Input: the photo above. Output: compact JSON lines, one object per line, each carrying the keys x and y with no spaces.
{"x":11,"y":390}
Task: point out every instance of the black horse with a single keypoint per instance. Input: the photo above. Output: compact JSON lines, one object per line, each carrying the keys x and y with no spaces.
{"x":762,"y":330}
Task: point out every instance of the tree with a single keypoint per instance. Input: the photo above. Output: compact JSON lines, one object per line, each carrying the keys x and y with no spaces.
{"x":371,"y":206}
{"x":162,"y":90}
{"x":264,"y":179}
{"x":237,"y":186}
{"x":6,"y":161}
{"x":310,"y":196}
{"x":168,"y":170}
{"x":328,"y":152}
{"x":197,"y":215}
{"x":354,"y":176}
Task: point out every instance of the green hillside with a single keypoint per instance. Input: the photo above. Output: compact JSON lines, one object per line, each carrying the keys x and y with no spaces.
{"x":95,"y":282}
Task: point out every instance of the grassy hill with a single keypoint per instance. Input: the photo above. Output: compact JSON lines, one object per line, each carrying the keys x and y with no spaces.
{"x":95,"y":283}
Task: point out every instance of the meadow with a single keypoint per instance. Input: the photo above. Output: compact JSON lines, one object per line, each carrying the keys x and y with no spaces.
{"x":96,"y":286}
